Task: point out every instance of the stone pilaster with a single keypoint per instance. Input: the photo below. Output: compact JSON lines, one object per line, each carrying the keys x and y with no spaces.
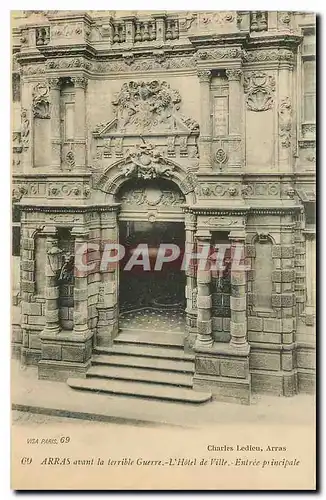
{"x":205,"y":137}
{"x":238,"y":299}
{"x":107,"y":326}
{"x":235,"y":92}
{"x":285,"y":112}
{"x":191,"y":287}
{"x":26,"y":126}
{"x":52,"y":324}
{"x":80,"y":288}
{"x":55,"y":85}
{"x":310,"y":310}
{"x":80,"y":83}
{"x":204,"y":299}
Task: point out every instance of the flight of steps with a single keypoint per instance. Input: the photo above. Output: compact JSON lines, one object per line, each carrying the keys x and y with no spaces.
{"x":143,"y":364}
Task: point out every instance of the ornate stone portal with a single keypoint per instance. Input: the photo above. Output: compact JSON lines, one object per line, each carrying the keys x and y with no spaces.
{"x":188,"y":118}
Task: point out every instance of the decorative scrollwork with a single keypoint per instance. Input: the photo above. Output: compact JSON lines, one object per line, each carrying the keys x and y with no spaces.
{"x":146,"y":163}
{"x":149,"y":106}
{"x":260,"y":88}
{"x":41,"y":105}
{"x":285,"y":122}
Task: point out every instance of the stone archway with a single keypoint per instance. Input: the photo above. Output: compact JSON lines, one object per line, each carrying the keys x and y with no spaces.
{"x":142,"y":187}
{"x":151,"y":293}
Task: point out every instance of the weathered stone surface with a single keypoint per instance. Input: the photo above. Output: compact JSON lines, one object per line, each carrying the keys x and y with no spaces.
{"x":234,"y":368}
{"x":255,"y":324}
{"x":51,"y":351}
{"x":260,"y":360}
{"x":207,"y":365}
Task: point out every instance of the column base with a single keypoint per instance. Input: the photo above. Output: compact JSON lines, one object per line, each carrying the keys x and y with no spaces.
{"x":223,"y":370}
{"x":276,"y":383}
{"x":61,"y":370}
{"x":50,"y":332}
{"x":65,"y":355}
{"x":202,"y":342}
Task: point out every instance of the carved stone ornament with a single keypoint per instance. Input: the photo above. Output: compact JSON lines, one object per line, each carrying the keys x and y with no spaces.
{"x":41,"y":105}
{"x":150,"y":107}
{"x":70,"y":159}
{"x":220,"y":157}
{"x":263,"y":237}
{"x":25,"y":129}
{"x":259,"y":88}
{"x":146,"y":163}
{"x":285,"y":122}
{"x":152,"y":195}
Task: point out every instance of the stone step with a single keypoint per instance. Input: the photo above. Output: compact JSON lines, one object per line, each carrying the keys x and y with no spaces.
{"x":141,"y":375}
{"x":147,"y":351}
{"x":140,"y":389}
{"x":167,"y":339}
{"x":144,"y":362}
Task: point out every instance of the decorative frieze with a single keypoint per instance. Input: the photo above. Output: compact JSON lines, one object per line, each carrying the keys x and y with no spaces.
{"x":256,"y":190}
{"x":261,"y":55}
{"x":70,"y":190}
{"x":216,"y":221}
{"x":152,"y":195}
{"x":259,"y":88}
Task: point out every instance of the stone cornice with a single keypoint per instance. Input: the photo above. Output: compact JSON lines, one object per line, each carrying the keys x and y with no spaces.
{"x":48,"y":208}
{"x":62,"y":176}
{"x":201,"y":210}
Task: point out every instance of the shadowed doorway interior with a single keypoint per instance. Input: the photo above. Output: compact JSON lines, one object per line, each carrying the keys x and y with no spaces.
{"x":150,"y":299}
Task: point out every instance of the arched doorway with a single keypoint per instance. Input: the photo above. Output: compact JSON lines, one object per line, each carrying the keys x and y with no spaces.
{"x":151,"y":280}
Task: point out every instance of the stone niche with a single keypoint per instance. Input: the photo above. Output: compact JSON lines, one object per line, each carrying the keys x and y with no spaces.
{"x":146,"y":112}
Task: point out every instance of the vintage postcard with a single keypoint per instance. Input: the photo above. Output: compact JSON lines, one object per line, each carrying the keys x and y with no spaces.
{"x":163,"y":250}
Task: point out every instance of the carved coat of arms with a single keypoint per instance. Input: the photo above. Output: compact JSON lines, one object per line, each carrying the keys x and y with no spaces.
{"x":147,"y":163}
{"x":149,"y":107}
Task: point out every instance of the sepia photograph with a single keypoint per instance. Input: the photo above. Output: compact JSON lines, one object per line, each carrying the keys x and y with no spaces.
{"x":163,"y":253}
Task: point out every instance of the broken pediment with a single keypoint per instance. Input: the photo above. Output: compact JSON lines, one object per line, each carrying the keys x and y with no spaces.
{"x":147,"y":108}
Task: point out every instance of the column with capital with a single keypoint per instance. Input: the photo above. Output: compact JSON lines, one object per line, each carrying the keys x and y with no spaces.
{"x":204,"y":298}
{"x":80,"y":84}
{"x":81,"y":278}
{"x":205,"y":137}
{"x":235,"y":114}
{"x":55,"y":85}
{"x":238,"y":299}
{"x":53,"y":260}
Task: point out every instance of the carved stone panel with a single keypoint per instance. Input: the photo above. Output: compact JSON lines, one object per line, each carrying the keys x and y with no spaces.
{"x":153,"y":193}
{"x":150,"y":107}
{"x":259,"y":88}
